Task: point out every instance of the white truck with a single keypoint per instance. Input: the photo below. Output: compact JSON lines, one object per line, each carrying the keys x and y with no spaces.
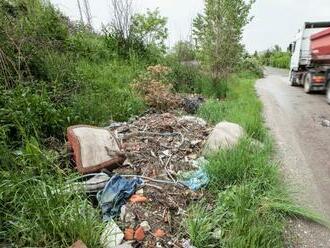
{"x":310,"y":60}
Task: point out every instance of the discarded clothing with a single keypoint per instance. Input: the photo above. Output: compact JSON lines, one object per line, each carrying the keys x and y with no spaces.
{"x":195,"y":180}
{"x":115,"y":194}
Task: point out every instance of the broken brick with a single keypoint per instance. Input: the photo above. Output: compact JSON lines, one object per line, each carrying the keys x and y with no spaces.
{"x":137,"y":198}
{"x":139,"y":234}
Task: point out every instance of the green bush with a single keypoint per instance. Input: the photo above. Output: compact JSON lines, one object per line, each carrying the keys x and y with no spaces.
{"x":29,"y":112}
{"x":276,"y":58}
{"x":191,"y":79}
{"x":28,"y":29}
{"x":55,"y":75}
{"x":253,"y":65}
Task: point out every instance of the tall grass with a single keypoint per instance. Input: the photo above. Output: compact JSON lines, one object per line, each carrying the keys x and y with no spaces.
{"x":251,"y":204}
{"x":36,"y":211}
{"x":240,"y":106}
{"x":59,"y":75}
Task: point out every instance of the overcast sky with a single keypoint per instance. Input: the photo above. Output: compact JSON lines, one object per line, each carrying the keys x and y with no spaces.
{"x":275,"y":21}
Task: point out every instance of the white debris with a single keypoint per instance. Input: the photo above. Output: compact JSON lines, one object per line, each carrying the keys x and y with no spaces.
{"x":112,"y":236}
{"x":145,"y":226}
{"x":192,"y":119}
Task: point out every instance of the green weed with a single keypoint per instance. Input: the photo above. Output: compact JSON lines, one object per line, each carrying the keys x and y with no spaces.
{"x":251,"y":204}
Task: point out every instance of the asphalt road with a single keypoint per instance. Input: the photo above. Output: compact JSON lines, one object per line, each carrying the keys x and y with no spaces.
{"x":295,"y":120}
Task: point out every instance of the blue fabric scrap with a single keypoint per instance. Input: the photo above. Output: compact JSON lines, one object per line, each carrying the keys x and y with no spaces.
{"x":115,"y":194}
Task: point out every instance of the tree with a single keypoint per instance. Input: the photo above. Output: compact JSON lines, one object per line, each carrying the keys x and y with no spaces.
{"x":140,"y":33}
{"x":122,"y":17}
{"x":150,"y":28}
{"x":277,"y":48}
{"x":219,"y":32}
{"x":184,"y":51}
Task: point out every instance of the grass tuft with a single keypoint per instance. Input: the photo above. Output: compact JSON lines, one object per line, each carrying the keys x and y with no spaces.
{"x":251,"y":205}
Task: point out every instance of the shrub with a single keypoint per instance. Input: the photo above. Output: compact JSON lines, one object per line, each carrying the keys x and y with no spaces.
{"x":253,"y":65}
{"x":191,"y":79}
{"x":152,"y":86}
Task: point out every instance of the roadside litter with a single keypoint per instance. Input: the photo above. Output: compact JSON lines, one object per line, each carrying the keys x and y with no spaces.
{"x":112,"y":236}
{"x":161,"y":171}
{"x":115,"y":194}
{"x":197,"y":179}
{"x":93,"y":149}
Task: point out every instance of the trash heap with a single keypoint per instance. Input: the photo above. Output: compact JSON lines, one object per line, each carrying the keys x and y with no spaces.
{"x":144,"y":198}
{"x":144,"y":173}
{"x":161,"y":147}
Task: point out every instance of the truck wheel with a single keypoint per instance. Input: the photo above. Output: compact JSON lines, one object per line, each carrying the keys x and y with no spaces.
{"x":293,"y":80}
{"x":328,"y":93}
{"x":308,"y":83}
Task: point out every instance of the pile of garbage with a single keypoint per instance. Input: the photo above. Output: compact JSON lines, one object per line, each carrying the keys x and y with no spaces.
{"x":144,"y":173}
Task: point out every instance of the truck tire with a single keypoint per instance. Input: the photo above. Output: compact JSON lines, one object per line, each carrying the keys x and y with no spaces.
{"x":308,"y":83}
{"x":328,"y":93}
{"x":293,"y":79}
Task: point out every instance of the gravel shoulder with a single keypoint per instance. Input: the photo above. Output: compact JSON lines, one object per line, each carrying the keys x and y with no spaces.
{"x":303,"y":144}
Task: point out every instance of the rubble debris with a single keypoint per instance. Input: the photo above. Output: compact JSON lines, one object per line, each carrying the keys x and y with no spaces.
{"x":189,"y":120}
{"x":128,"y":218}
{"x":94,"y":148}
{"x":161,"y":168}
{"x":78,"y":244}
{"x":115,"y":194}
{"x":225,"y":135}
{"x":159,"y":146}
{"x":139,"y":192}
{"x":112,"y":236}
{"x":186,"y":244}
{"x":145,"y":226}
{"x":125,"y":245}
{"x":192,"y":103}
{"x":122,"y":213}
{"x":139,"y":234}
{"x":129,"y":234}
{"x":137,"y":198}
{"x":159,"y":233}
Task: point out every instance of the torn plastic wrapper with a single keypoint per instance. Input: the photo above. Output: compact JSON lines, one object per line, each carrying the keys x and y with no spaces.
{"x":198,"y":179}
{"x":195,"y":180}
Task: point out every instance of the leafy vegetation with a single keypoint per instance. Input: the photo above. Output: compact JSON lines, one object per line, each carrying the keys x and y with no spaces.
{"x":184,"y":51}
{"x":275,"y":57}
{"x":55,"y":73}
{"x":218,"y":33}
